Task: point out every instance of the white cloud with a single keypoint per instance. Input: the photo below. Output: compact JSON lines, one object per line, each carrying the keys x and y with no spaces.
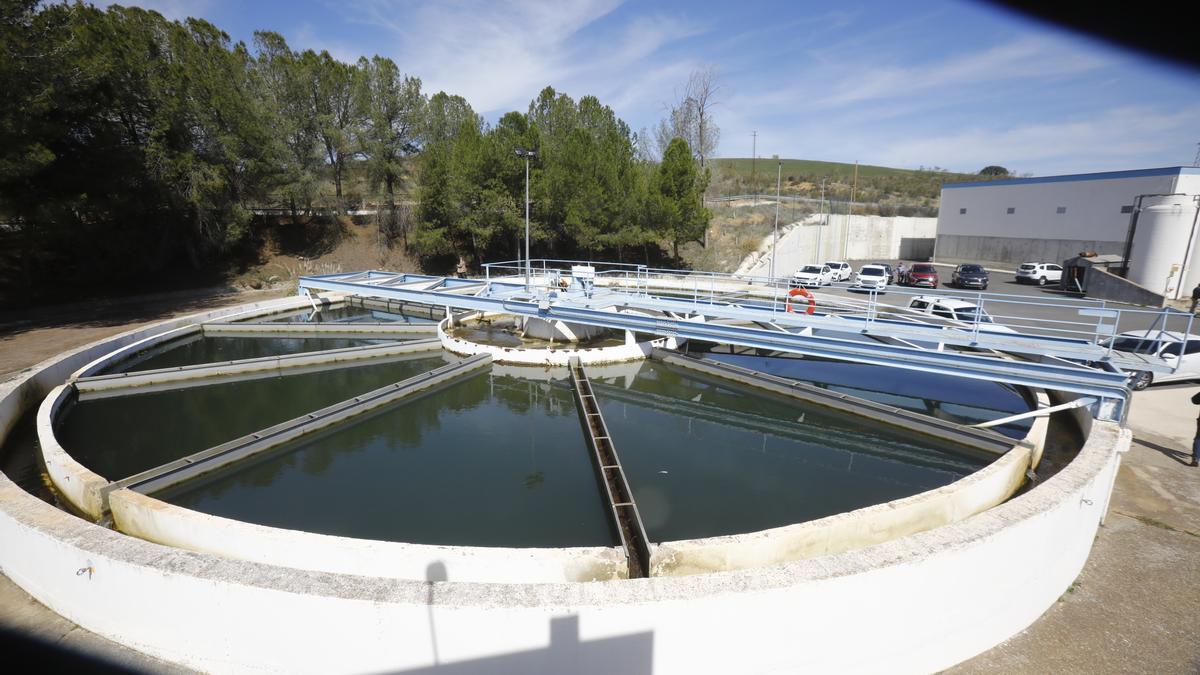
{"x":500,"y":55}
{"x":1118,"y":138}
{"x":496,"y":55}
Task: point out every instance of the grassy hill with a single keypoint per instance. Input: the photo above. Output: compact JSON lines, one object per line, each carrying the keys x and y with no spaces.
{"x":893,"y":191}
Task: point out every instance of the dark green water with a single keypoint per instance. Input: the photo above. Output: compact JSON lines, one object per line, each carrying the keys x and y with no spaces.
{"x":956,"y":399}
{"x":706,"y":460}
{"x":196,"y":350}
{"x":488,"y":461}
{"x":118,"y":437}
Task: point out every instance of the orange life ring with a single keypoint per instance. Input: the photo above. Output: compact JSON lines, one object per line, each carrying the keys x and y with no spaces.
{"x":812,"y":302}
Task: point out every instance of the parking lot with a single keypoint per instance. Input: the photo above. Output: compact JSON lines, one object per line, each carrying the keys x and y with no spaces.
{"x":1027,"y":307}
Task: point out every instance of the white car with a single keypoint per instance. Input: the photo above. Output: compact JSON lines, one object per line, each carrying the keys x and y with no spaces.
{"x":960,"y":311}
{"x":841,"y":271}
{"x":813,"y":275}
{"x":871,"y":278}
{"x":1039,"y":273}
{"x":1169,"y":348}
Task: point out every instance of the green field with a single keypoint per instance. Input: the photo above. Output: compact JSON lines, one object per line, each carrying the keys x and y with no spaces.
{"x":808,"y":168}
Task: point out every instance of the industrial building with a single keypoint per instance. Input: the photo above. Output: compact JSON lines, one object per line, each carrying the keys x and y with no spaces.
{"x":1147,"y":216}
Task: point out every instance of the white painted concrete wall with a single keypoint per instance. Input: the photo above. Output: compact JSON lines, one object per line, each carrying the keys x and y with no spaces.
{"x":1093,"y":218}
{"x":839,"y":238}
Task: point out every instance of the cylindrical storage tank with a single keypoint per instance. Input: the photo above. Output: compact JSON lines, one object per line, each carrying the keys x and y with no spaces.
{"x":1161,"y":242}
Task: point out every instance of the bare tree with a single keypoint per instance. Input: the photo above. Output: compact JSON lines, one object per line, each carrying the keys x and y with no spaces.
{"x":692,"y":117}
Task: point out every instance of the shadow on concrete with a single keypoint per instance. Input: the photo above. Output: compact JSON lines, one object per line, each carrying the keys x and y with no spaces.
{"x":630,"y":654}
{"x":45,"y":656}
{"x":1178,"y":455}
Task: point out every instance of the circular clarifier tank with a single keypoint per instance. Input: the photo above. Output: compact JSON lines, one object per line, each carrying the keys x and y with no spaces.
{"x":241,"y":484}
{"x":497,"y":457}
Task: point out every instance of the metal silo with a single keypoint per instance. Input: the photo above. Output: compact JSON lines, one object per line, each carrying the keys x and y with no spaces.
{"x":1164,"y":245}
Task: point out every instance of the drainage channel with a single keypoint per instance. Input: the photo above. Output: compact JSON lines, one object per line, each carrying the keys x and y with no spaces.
{"x":622,"y":508}
{"x":212,"y":459}
{"x":326,"y":330}
{"x":203,"y":374}
{"x":988,"y":442}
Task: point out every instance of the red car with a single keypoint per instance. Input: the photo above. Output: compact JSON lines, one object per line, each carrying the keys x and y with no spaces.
{"x":922,"y":275}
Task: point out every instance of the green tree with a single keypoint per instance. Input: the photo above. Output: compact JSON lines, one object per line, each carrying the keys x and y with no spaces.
{"x":391,"y":107}
{"x":331,"y":88}
{"x":993,"y":170}
{"x":282,"y":85}
{"x":678,"y":189}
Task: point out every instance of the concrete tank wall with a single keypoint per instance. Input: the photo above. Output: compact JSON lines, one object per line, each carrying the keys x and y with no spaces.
{"x":935,"y":598}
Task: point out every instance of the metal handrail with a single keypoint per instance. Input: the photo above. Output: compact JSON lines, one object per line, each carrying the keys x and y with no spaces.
{"x":703,"y":288}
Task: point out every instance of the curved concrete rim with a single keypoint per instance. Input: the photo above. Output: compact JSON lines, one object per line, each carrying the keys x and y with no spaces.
{"x":158,"y":521}
{"x":937,"y":597}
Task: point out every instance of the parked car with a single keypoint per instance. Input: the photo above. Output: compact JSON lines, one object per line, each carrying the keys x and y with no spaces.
{"x":1169,"y":348}
{"x":871,"y":278}
{"x":842,"y":271}
{"x":891,"y":272}
{"x":921,"y":275}
{"x":970,"y":276}
{"x":954,"y":309}
{"x":813,"y":275}
{"x":1039,"y":273}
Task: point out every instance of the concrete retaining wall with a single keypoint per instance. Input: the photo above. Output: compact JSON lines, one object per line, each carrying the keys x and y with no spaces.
{"x":842,"y":238}
{"x":916,"y":604}
{"x":1105,"y":285}
{"x":1012,"y":251}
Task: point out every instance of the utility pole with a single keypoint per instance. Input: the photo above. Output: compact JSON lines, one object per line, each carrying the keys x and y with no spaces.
{"x":1196,"y":161}
{"x":775,"y":237}
{"x":821,"y":222}
{"x":753,"y":159}
{"x":526,"y":154}
{"x":850,"y":212}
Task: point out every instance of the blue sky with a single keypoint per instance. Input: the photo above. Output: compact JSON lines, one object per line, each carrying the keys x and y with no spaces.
{"x":953,"y":84}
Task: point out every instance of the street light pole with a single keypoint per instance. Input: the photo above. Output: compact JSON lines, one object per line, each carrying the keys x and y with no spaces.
{"x":526,"y":154}
{"x":775,"y":237}
{"x":821,"y":221}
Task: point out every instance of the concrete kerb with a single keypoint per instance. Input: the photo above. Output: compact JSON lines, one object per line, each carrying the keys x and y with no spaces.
{"x":938,"y":596}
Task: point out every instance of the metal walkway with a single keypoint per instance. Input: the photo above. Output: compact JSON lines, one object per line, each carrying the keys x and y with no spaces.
{"x":1047,"y":363}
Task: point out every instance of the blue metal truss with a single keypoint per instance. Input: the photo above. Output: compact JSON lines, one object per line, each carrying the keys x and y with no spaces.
{"x":692,"y":320}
